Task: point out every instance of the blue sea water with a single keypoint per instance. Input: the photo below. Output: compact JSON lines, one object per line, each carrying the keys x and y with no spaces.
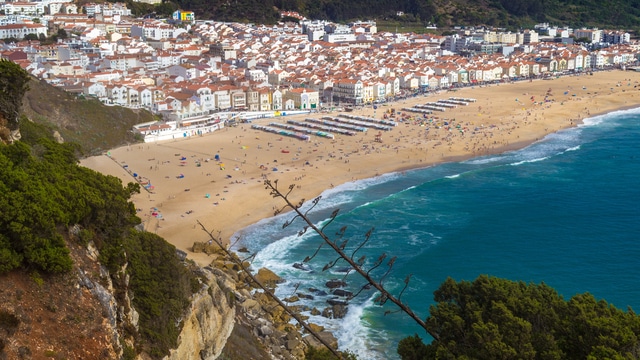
{"x":564,"y":211}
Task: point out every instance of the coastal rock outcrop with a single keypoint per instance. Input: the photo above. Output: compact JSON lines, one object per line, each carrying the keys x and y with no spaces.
{"x":208,"y":323}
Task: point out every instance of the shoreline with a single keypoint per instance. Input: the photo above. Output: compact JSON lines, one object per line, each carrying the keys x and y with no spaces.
{"x":495,"y":124}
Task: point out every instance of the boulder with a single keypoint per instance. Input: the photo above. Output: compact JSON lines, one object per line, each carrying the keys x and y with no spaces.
{"x":344,"y":293}
{"x":305,"y":296}
{"x":268,"y":278}
{"x":332,"y":284}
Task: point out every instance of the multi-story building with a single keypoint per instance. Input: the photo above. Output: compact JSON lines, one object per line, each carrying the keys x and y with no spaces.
{"x":349,"y":91}
{"x":19,"y":31}
{"x":616,"y":37}
{"x":224,"y":51}
{"x":303,"y":99}
{"x":594,"y":36}
{"x":529,"y":37}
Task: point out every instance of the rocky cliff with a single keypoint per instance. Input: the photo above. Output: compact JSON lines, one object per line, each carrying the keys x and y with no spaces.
{"x":209,"y":321}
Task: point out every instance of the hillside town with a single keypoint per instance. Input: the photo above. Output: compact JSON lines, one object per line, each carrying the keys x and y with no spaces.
{"x":183,"y":68}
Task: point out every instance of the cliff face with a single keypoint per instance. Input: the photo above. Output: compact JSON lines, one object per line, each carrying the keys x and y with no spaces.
{"x":208,"y":324}
{"x":43,"y":317}
{"x":77,"y":315}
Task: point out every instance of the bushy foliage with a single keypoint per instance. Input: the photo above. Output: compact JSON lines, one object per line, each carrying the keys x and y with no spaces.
{"x":506,"y":13}
{"x":162,"y":285}
{"x":13,"y":84}
{"x":43,"y":192}
{"x":313,"y":353}
{"x":492,"y":318}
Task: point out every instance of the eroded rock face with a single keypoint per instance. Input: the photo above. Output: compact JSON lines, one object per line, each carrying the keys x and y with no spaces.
{"x":208,"y":324}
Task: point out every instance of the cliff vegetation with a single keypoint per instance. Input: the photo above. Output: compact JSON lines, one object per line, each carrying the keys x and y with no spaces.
{"x":50,"y":206}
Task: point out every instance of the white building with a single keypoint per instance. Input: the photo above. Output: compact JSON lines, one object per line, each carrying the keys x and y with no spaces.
{"x":19,"y":31}
{"x":156,"y":30}
{"x":24,"y":8}
{"x":594,"y":36}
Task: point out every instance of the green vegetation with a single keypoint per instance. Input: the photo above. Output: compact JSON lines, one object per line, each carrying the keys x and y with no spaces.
{"x":502,"y":13}
{"x":13,"y":84}
{"x":48,"y":193}
{"x":162,"y":286}
{"x":94,"y":126}
{"x":324,"y":354}
{"x":492,"y":318}
{"x":44,"y":194}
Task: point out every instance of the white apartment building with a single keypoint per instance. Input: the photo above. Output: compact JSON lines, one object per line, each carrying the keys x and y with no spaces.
{"x":529,"y":37}
{"x":23,"y":8}
{"x":156,"y":30}
{"x":594,"y":36}
{"x":19,"y":31}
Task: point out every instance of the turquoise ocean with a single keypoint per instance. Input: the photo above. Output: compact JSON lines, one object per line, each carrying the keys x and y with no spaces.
{"x":564,"y":211}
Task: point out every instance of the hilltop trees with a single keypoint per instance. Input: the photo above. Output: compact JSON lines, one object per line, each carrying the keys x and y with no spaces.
{"x":492,"y":318}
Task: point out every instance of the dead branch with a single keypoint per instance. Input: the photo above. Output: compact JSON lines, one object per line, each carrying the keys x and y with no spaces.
{"x":385,"y":295}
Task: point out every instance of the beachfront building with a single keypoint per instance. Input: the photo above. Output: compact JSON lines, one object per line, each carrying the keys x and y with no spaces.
{"x":253,"y":99}
{"x":276,"y":100}
{"x":264,"y":99}
{"x":348,"y":91}
{"x":303,"y":99}
{"x":238,"y":99}
{"x":379,"y":91}
{"x":202,"y":95}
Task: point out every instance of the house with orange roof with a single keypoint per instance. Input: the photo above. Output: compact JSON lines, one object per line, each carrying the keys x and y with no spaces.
{"x":303,"y":98}
{"x":19,"y":31}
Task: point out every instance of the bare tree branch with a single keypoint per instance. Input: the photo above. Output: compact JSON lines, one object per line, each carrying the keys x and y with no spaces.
{"x":356,"y":265}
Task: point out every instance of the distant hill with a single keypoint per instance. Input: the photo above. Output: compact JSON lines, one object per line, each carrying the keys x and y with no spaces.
{"x":88,"y":122}
{"x":444,"y":13}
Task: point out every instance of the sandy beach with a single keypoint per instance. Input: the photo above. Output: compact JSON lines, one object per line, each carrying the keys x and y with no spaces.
{"x":189,"y":185}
